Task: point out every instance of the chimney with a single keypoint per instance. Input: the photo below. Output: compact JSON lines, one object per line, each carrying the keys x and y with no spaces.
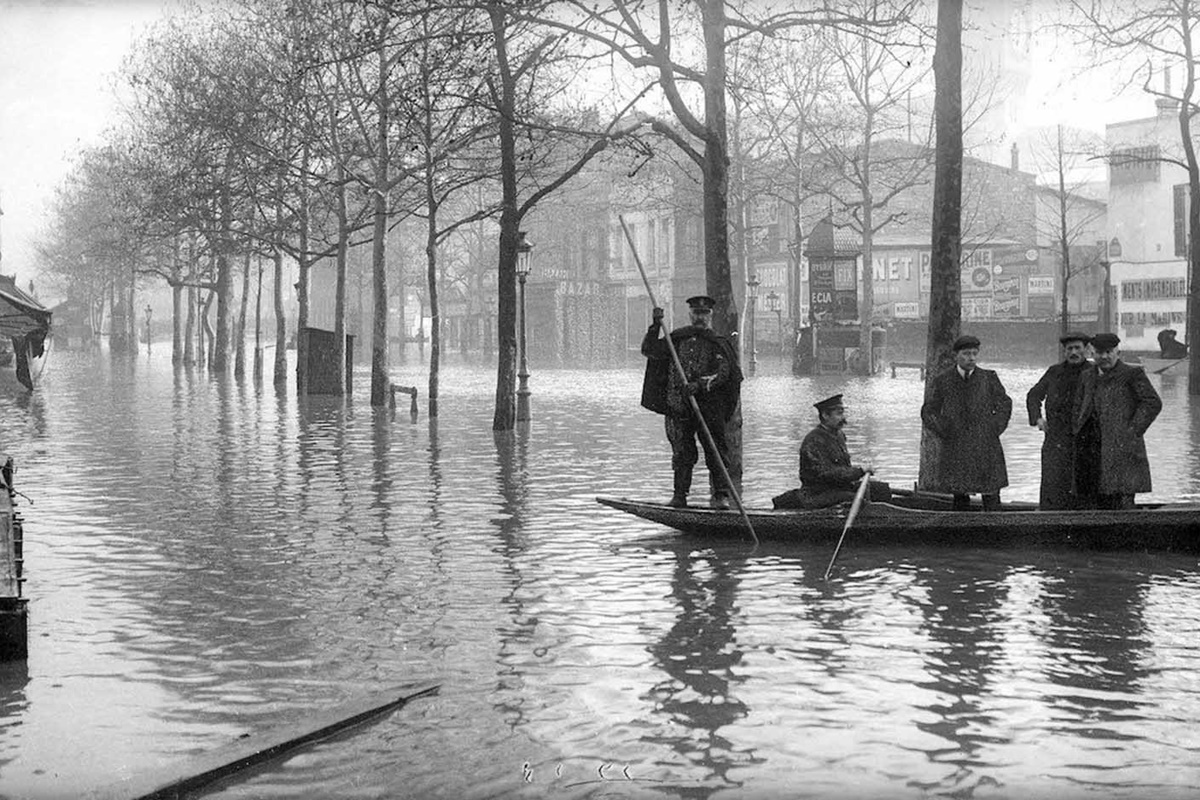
{"x":1015,"y":158}
{"x":1166,"y":104}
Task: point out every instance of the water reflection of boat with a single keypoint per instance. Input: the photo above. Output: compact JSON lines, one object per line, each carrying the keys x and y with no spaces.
{"x":25,"y":323}
{"x":926,"y":519}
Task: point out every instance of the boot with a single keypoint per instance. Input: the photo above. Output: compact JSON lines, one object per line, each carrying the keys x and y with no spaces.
{"x":683,"y":483}
{"x":719,"y":502}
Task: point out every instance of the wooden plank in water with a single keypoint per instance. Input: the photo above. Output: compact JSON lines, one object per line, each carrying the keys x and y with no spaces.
{"x":194,"y":773}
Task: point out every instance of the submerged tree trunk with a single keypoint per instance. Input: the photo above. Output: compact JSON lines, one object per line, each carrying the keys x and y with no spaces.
{"x":239,"y":335}
{"x":505,"y":416}
{"x":945,"y":302}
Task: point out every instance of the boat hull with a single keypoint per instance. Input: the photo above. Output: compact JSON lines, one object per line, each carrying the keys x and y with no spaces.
{"x":1165,"y":366}
{"x":1165,"y":528}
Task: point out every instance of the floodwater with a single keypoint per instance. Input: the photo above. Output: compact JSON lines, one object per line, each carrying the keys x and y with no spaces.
{"x":208,"y":560}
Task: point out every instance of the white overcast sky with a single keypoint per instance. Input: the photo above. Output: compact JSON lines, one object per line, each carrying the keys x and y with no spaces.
{"x":57,"y":58}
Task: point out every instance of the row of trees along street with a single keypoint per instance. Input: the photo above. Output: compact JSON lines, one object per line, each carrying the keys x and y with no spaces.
{"x":258,"y":134}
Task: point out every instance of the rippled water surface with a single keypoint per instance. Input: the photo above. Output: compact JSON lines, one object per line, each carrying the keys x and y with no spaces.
{"x":208,"y":559}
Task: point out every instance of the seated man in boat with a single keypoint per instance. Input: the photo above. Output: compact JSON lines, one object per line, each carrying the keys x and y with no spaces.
{"x":1114,"y":406}
{"x":826,"y":475}
{"x":1169,"y":347}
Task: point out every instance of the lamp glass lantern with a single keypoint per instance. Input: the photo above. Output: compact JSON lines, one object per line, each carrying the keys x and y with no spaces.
{"x":773,"y":301}
{"x":524,"y":249}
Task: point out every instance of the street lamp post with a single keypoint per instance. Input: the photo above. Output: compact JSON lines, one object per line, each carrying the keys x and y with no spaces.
{"x":752,"y":301}
{"x":774,"y":304}
{"x":524,"y":247}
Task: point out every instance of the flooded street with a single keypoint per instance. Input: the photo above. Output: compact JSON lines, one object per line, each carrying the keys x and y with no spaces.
{"x":208,"y":559}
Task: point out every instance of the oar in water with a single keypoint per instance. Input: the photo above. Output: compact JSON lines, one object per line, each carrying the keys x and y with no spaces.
{"x":857,"y":504}
{"x":708,"y":437}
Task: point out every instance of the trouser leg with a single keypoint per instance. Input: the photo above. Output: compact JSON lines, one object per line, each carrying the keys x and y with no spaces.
{"x":991,"y":502}
{"x":961,"y":502}
{"x":717,"y":484}
{"x":682,"y":436}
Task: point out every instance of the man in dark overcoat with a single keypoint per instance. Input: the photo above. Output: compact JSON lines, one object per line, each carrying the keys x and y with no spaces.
{"x":967,"y":409}
{"x":1115,"y":405}
{"x":712,"y":376}
{"x":1057,"y":389}
{"x":826,"y":475}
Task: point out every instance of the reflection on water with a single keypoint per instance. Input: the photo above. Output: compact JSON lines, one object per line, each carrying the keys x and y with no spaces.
{"x":209,"y":559}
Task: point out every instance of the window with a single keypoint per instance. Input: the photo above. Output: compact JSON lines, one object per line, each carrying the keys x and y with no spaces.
{"x":1180,"y":203}
{"x":1134,"y":165}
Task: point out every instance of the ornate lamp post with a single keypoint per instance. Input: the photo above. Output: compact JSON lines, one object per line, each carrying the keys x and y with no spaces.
{"x":774,"y":303}
{"x":751,"y":302}
{"x":524,"y":247}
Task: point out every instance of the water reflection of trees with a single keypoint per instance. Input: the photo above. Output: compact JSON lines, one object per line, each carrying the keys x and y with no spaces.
{"x":699,"y":656}
{"x":516,"y":639}
{"x":961,"y":616}
{"x":1097,"y":644}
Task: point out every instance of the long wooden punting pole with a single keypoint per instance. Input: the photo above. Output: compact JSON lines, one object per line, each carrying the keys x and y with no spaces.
{"x":193,"y":774}
{"x":857,"y":504}
{"x":708,"y":437}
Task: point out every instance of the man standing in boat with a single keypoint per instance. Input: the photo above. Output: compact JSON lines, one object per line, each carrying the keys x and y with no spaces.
{"x":1057,"y":389}
{"x":967,"y":409}
{"x":1115,"y":405}
{"x":826,"y":475}
{"x":712,"y":377}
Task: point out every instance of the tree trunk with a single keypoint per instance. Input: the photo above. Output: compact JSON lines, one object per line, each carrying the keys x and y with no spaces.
{"x":280,"y":373}
{"x":504,"y":418}
{"x":339,"y":293}
{"x":258,"y":348}
{"x":1193,"y":252}
{"x":866,"y":364}
{"x":435,"y":347}
{"x":717,"y":274}
{"x":1064,"y":250}
{"x":945,"y":300}
{"x":302,"y":266}
{"x":379,"y":325}
{"x":239,"y":336}
{"x":176,"y":306}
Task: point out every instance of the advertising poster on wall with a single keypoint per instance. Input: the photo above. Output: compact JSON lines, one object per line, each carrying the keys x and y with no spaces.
{"x":1006,"y":296}
{"x":833,"y":291}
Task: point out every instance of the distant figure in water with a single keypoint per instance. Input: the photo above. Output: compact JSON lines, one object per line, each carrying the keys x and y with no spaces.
{"x":1168,"y":347}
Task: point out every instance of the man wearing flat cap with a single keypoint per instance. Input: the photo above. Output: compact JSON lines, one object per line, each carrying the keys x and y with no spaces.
{"x":1056,"y":389}
{"x":1114,"y":406}
{"x":826,"y":475}
{"x":712,"y":377}
{"x":967,"y":409}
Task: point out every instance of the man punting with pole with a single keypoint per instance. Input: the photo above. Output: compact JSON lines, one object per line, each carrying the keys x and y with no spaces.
{"x":712,"y":377}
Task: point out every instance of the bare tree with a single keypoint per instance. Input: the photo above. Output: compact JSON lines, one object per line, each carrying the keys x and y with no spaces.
{"x":1165,"y":30}
{"x":945,"y":301}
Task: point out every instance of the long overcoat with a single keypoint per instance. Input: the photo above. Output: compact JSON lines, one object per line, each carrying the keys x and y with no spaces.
{"x":1057,"y":389}
{"x":1124,"y":404}
{"x":662,"y":385}
{"x":968,"y":415}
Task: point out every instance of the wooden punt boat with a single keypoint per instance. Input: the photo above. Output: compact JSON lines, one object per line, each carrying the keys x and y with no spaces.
{"x":1165,"y":366}
{"x":921,"y":518}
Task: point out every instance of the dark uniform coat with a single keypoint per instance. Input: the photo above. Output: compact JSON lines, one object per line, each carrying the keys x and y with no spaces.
{"x":1120,"y":404}
{"x":1057,"y":388}
{"x":826,"y":476}
{"x":968,"y":415}
{"x":703,"y":353}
